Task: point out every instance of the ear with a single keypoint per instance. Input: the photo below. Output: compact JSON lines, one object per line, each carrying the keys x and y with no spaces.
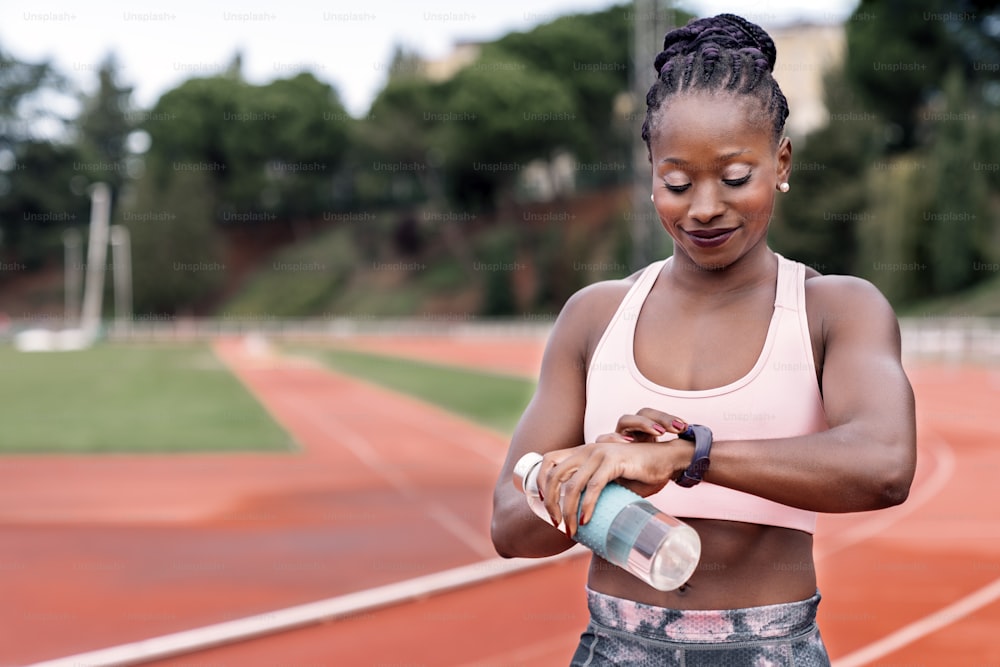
{"x":783,"y":160}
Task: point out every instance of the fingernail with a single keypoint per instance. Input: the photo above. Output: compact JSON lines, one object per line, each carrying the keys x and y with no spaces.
{"x":629,"y":438}
{"x":678,"y":424}
{"x":659,"y":429}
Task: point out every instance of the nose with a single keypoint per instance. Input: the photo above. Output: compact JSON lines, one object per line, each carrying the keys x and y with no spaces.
{"x":706,"y":205}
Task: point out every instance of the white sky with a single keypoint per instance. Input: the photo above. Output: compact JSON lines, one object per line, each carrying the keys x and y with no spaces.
{"x":347,"y":43}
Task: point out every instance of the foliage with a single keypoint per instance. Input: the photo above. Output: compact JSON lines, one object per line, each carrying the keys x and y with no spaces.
{"x":302,"y":278}
{"x":270,"y":150}
{"x":103,"y":127}
{"x":177,"y":253}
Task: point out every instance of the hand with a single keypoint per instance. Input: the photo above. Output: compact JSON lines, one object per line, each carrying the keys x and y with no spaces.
{"x":648,"y":424}
{"x":565,"y":474}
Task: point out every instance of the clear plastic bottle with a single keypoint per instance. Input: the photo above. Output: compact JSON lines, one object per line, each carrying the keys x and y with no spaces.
{"x":627,"y":530}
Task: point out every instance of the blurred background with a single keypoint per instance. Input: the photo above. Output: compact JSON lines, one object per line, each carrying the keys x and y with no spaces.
{"x":402,"y":161}
{"x":293,"y":265}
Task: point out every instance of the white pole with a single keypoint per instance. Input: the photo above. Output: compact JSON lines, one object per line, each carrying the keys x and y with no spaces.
{"x":72,"y":241}
{"x":121,"y":258}
{"x":97,"y":253}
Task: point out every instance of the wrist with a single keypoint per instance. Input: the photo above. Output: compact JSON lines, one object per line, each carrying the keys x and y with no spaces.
{"x":695,"y":471}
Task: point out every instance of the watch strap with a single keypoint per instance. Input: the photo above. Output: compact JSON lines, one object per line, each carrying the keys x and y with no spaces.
{"x":695,"y":472}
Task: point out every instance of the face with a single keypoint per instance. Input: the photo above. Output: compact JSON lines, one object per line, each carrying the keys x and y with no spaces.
{"x":716,"y":170}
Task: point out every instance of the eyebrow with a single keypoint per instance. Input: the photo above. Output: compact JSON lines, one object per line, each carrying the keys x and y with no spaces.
{"x":722,"y":158}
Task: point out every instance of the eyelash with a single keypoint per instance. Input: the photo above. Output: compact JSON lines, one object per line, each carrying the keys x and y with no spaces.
{"x":733,"y":183}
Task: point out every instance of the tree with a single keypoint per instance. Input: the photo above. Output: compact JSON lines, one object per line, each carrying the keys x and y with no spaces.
{"x":270,"y":150}
{"x":104,"y":125}
{"x":177,"y":254}
{"x":820,"y":220}
{"x":40,"y":192}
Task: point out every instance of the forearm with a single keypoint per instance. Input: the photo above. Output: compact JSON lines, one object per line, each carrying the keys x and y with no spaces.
{"x":517,"y":532}
{"x":844,"y":469}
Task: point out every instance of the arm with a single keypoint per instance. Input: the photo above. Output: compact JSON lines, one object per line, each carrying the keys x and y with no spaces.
{"x":866,"y":459}
{"x":552,"y":425}
{"x":553,"y":420}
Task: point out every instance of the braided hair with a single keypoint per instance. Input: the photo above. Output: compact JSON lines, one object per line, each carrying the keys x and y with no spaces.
{"x":724,"y":53}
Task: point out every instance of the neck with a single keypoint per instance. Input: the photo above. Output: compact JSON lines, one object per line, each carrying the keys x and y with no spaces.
{"x":755,"y":268}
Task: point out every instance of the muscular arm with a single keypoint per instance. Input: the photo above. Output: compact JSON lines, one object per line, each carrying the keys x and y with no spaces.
{"x":553,"y":420}
{"x":866,"y":459}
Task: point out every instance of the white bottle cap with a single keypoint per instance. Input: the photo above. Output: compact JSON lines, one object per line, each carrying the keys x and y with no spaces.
{"x":524,"y":466}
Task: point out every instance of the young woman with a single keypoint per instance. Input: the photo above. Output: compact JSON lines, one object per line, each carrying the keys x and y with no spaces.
{"x":797,"y":375}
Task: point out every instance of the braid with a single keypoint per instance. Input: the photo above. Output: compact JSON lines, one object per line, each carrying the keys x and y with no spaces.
{"x":725,"y":53}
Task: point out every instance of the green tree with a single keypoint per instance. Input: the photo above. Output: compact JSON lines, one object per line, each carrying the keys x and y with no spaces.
{"x":104,"y":125}
{"x":177,"y":251}
{"x":957,"y":223}
{"x":820,"y":220}
{"x":896,"y":58}
{"x":39,"y":194}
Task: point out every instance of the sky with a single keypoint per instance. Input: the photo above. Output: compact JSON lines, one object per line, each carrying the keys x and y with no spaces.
{"x":347,"y":43}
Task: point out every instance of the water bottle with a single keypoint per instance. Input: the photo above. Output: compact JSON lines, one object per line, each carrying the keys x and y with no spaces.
{"x":627,"y":530}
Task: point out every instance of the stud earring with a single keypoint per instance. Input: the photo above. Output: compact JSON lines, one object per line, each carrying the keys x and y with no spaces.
{"x":652,"y":198}
{"x":784,"y":187}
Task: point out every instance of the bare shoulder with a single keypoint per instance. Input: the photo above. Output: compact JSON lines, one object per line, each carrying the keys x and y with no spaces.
{"x":586,"y":315}
{"x":849,"y":304}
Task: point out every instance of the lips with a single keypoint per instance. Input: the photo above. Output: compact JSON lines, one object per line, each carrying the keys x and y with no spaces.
{"x":710,"y":238}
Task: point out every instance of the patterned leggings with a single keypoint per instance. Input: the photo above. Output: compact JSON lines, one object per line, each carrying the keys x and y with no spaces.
{"x":623,"y":632}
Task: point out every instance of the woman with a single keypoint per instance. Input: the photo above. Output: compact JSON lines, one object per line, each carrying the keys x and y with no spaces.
{"x":797,"y":375}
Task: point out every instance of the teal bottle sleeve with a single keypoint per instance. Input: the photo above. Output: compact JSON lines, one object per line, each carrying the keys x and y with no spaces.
{"x":594,"y":534}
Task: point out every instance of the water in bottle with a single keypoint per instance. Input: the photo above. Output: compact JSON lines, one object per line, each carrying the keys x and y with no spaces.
{"x":627,"y":530}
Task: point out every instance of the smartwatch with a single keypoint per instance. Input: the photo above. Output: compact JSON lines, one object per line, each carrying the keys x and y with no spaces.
{"x":701,"y":436}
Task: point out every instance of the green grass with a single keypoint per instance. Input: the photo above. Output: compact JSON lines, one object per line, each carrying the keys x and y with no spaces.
{"x":495,"y":401}
{"x":125,"y":398}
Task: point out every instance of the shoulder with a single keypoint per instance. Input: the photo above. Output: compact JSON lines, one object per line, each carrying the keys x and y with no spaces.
{"x":587,"y":313}
{"x":848,"y":304}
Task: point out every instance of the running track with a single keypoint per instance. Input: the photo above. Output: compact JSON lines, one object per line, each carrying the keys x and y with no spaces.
{"x":914,"y":585}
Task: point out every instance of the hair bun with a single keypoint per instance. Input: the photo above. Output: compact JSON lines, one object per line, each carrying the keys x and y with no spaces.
{"x":724,"y":32}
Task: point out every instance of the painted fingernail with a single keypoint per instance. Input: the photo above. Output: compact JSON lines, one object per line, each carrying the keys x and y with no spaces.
{"x":678,"y":424}
{"x":629,"y":438}
{"x":659,"y":429}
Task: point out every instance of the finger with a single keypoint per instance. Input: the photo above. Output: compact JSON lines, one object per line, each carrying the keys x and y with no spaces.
{"x":595,"y":485}
{"x":643,"y":429}
{"x":587,"y":481}
{"x":615,"y":437}
{"x":556,"y":468}
{"x":672,"y":423}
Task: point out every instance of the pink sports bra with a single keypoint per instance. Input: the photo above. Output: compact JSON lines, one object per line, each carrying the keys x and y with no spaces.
{"x":778,"y":398}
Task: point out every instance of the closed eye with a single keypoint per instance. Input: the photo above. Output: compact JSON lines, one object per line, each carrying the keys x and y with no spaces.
{"x":677,"y":188}
{"x":736,"y":182}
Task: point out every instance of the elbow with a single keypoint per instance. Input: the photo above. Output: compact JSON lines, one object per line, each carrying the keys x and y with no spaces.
{"x":500,"y":542}
{"x":892,"y":489}
{"x":892,"y":494}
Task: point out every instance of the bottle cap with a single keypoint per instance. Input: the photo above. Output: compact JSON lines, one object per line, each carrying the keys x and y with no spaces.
{"x":524,"y":466}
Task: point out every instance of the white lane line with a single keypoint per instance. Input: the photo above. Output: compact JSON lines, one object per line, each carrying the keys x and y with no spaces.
{"x":350,"y":605}
{"x":361,"y":447}
{"x":923,"y":627}
{"x":877,"y":525}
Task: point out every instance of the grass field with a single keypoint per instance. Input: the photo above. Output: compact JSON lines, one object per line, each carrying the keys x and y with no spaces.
{"x":495,"y":401}
{"x":129,"y":398}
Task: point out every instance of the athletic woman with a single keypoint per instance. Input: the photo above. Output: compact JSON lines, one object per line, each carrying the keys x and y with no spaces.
{"x":797,"y":375}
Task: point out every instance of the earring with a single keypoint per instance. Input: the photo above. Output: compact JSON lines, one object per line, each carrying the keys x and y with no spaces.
{"x":651,"y":198}
{"x":785,"y":187}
